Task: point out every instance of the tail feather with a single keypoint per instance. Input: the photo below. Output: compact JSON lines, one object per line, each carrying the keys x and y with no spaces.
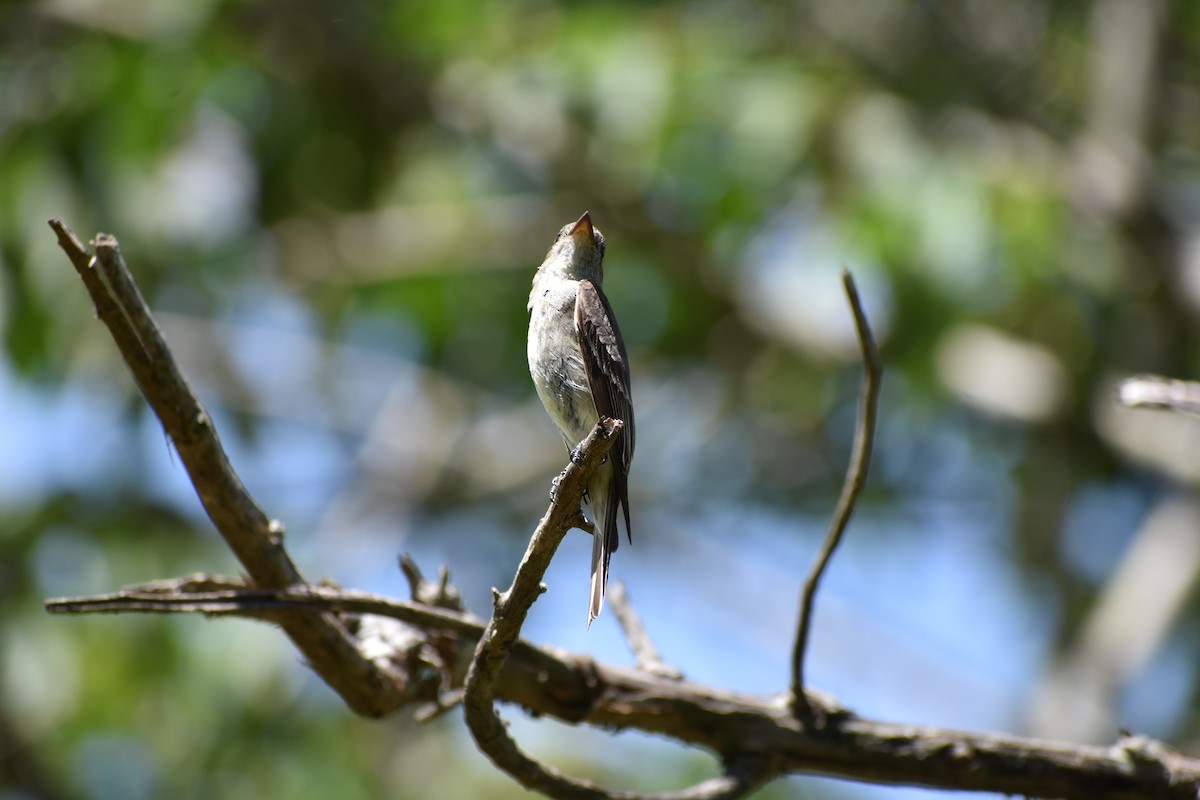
{"x":599,"y":577}
{"x":604,"y":541}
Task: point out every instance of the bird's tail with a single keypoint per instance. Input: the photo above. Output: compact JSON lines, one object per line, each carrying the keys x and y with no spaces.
{"x":604,"y":542}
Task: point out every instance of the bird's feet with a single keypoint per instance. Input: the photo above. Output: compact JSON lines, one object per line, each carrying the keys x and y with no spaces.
{"x":554,"y":487}
{"x":583,"y":523}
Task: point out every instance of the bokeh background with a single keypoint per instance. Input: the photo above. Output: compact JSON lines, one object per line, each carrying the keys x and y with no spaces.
{"x":336,"y":210}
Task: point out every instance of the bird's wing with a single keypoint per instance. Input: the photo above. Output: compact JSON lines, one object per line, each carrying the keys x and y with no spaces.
{"x":605,"y":361}
{"x":607,"y":369}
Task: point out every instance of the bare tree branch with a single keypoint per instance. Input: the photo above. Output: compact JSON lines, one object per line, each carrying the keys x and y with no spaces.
{"x":635,"y":633}
{"x":382,"y":655}
{"x":752,"y":729}
{"x":1156,"y":391}
{"x":255,"y":538}
{"x":856,"y":478}
{"x":504,"y":628}
{"x":440,"y":594}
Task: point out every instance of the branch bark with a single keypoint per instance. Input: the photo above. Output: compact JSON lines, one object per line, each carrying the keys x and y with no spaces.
{"x":503,"y":630}
{"x":368,"y":687}
{"x":759,"y":732}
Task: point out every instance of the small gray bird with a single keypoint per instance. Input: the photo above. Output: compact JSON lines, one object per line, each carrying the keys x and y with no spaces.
{"x":578,"y":363}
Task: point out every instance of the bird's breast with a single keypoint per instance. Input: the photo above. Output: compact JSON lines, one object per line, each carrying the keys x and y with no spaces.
{"x":556,"y":362}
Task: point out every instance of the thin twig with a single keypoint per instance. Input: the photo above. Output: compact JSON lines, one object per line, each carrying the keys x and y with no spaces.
{"x":255,"y":538}
{"x":635,"y":633}
{"x":856,"y":478}
{"x":1156,"y":391}
{"x":232,"y":600}
{"x":440,"y":594}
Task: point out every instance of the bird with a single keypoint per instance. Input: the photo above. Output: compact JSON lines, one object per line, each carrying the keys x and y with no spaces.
{"x":580,"y":369}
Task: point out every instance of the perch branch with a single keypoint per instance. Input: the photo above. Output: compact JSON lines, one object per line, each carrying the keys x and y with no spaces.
{"x":504,"y":628}
{"x":856,"y":478}
{"x":255,"y":538}
{"x":548,"y":682}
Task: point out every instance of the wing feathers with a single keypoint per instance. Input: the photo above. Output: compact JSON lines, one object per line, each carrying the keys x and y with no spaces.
{"x":606,"y":363}
{"x":607,"y":369}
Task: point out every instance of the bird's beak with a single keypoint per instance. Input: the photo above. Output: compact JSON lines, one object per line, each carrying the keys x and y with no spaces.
{"x":583,"y":226}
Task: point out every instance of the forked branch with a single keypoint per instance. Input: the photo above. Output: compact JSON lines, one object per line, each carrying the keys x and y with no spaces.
{"x":752,"y":729}
{"x":256,"y":539}
{"x":504,"y":629}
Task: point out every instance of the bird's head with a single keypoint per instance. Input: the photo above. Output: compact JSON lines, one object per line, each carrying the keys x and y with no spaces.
{"x":577,"y":252}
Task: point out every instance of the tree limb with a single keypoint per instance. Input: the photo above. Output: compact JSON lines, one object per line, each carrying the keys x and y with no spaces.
{"x":255,"y":538}
{"x":753,"y":729}
{"x":504,"y":628}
